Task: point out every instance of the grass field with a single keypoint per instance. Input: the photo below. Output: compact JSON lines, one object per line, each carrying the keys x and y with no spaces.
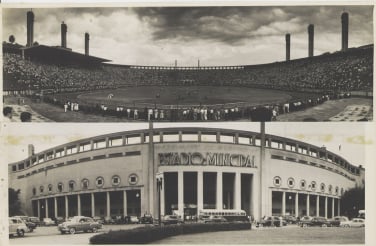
{"x":189,"y":95}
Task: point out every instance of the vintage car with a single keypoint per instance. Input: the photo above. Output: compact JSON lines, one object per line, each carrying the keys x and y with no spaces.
{"x":30,"y":225}
{"x":146,"y":219}
{"x":270,"y":221}
{"x":79,"y":223}
{"x":48,"y":222}
{"x":17,"y":226}
{"x":170,"y":220}
{"x":316,"y":221}
{"x":35,"y":220}
{"x":355,"y":222}
{"x":337,"y":220}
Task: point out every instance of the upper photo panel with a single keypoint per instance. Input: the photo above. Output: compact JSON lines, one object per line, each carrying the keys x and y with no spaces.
{"x":138,"y":64}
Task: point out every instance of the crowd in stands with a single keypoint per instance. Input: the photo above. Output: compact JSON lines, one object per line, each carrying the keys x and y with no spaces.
{"x":342,"y":71}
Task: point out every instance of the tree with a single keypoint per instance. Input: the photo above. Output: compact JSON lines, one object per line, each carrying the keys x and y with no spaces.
{"x":352,"y":201}
{"x":12,"y":39}
{"x":14,"y":202}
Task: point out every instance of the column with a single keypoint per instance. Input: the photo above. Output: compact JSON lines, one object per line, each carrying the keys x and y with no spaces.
{"x":339,"y":207}
{"x":200,"y":191}
{"x":283,"y":203}
{"x":66,"y":208}
{"x":181,"y":193}
{"x":307,"y":205}
{"x":163,"y":209}
{"x":78,"y":205}
{"x":92,"y":204}
{"x":38,"y":204}
{"x":326,"y":207}
{"x":317,"y":205}
{"x":55,"y":206}
{"x":238,"y":194}
{"x":219,"y":198}
{"x":108,"y":212}
{"x":296,"y":204}
{"x":125,"y":208}
{"x":46,"y":204}
{"x":332,"y":207}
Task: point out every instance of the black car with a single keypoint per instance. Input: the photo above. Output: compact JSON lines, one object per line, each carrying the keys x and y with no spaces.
{"x":146,"y":219}
{"x":273,"y":221}
{"x":316,"y":221}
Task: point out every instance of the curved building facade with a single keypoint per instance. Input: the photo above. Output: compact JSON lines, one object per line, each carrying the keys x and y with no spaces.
{"x":200,"y":168}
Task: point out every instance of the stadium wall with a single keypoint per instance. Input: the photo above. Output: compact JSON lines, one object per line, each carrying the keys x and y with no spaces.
{"x":202,"y":168}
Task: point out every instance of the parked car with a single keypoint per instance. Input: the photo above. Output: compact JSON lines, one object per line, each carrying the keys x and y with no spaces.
{"x":304,"y":219}
{"x":146,"y":219}
{"x":35,"y":220}
{"x":316,"y":221}
{"x":98,"y":219}
{"x":109,"y":220}
{"x":337,"y":220}
{"x":170,"y":220}
{"x":79,"y":223}
{"x":290,"y":219}
{"x":270,"y":221}
{"x":17,"y":226}
{"x":48,"y":222}
{"x":30,"y":225}
{"x":355,"y":222}
{"x":133,"y":219}
{"x":59,"y":220}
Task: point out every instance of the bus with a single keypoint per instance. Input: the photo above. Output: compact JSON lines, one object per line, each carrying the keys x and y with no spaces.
{"x":231,"y":215}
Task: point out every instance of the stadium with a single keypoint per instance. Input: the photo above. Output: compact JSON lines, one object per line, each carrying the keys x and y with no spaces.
{"x":200,"y":169}
{"x":91,"y":85}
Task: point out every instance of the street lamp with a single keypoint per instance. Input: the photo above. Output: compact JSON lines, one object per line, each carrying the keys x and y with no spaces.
{"x":159,"y":179}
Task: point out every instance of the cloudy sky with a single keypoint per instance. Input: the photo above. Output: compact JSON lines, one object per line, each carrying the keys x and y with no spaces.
{"x":357,"y":143}
{"x":215,"y":35}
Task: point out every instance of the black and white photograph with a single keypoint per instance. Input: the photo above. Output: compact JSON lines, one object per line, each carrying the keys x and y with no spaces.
{"x":189,"y":183}
{"x":190,"y":63}
{"x":187,"y":123}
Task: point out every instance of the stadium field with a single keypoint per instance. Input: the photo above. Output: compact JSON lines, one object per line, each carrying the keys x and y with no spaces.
{"x":186,"y":95}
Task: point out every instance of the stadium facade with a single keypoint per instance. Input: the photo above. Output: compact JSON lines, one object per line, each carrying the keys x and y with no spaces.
{"x":199,"y":168}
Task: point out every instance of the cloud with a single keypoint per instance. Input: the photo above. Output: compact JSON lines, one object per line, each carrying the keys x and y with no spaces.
{"x":216,"y":35}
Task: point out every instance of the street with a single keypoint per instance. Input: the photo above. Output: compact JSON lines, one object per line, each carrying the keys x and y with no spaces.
{"x":290,"y":234}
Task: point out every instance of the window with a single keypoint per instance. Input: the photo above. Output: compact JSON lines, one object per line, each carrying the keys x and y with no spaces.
{"x":60,"y":187}
{"x":322,"y":187}
{"x":115,"y":180}
{"x":336,"y":190}
{"x":50,"y":188}
{"x":330,"y":188}
{"x":99,"y":182}
{"x":41,"y":189}
{"x":313,"y":185}
{"x":302,"y":184}
{"x":133,"y":179}
{"x":85,"y":184}
{"x":34,"y":191}
{"x":72,"y":184}
{"x":291,"y":182}
{"x":277,"y":181}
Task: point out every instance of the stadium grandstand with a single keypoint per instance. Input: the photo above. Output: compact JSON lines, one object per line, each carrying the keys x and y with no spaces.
{"x":59,"y":75}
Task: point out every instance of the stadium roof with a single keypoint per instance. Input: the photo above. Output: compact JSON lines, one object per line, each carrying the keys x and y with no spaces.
{"x":60,"y":55}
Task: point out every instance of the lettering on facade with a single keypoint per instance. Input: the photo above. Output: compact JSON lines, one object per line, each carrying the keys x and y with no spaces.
{"x":210,"y":159}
